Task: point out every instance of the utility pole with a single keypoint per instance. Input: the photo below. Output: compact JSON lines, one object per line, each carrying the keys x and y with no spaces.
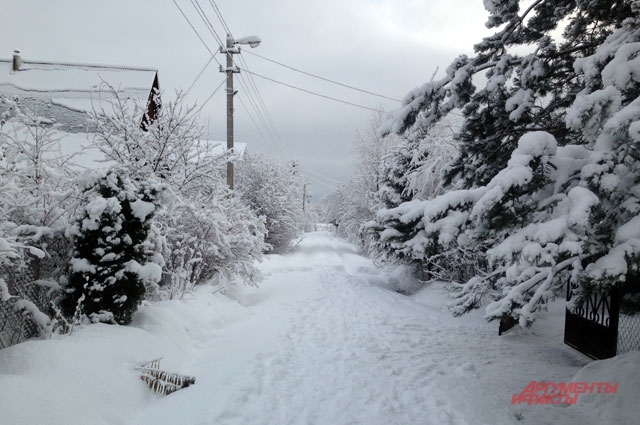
{"x":304,"y":196}
{"x":231,"y":49}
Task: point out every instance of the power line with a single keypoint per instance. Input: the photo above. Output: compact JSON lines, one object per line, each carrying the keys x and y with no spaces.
{"x":211,"y":95}
{"x":251,"y":117}
{"x":311,"y":92}
{"x":214,"y":5}
{"x":322,"y":78}
{"x":199,"y":75}
{"x":258,"y":105}
{"x":207,"y":22}
{"x":218,"y":40}
{"x":260,"y":98}
{"x":195,"y":31}
{"x":320,"y":182}
{"x":259,"y":113}
{"x":253,"y":94}
{"x":322,"y":175}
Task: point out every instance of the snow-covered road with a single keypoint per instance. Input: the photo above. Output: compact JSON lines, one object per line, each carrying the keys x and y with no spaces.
{"x":321,"y":342}
{"x":325,"y":343}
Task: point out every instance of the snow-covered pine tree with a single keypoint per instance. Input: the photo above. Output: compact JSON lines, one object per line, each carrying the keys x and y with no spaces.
{"x":111,"y":261}
{"x":607,"y":113}
{"x":527,"y":204}
{"x":354,"y":203}
{"x":530,"y":80}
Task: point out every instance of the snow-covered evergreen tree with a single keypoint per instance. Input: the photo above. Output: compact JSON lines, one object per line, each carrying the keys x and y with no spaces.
{"x":111,"y":258}
{"x":547,"y":157}
{"x":607,"y":112}
{"x":355,"y":202}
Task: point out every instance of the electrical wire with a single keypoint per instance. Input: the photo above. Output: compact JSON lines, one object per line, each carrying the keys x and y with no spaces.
{"x":322,"y":175}
{"x":260,"y":98}
{"x":311,"y":92}
{"x":195,"y":31}
{"x":254,"y":96}
{"x":214,"y":5}
{"x":320,"y":182}
{"x":207,"y":23}
{"x":211,"y":95}
{"x":199,"y":75}
{"x":322,"y":78}
{"x":251,"y":118}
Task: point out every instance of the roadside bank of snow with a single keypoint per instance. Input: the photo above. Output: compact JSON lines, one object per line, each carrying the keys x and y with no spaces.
{"x":90,"y":377}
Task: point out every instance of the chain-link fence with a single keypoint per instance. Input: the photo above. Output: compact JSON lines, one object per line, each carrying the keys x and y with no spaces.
{"x":23,"y":283}
{"x":629,"y":321}
{"x":16,"y":325}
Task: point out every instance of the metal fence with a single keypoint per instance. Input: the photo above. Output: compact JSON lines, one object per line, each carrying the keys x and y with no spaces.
{"x":16,"y":325}
{"x":607,"y":323}
{"x":629,"y":322}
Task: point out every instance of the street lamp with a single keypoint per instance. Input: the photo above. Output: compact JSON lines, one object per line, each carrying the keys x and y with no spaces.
{"x":232,"y":48}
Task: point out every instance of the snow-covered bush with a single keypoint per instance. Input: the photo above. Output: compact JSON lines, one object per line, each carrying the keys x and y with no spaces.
{"x":35,"y":203}
{"x":111,"y":257}
{"x":204,"y":231}
{"x":274,"y":192}
{"x":218,"y":237}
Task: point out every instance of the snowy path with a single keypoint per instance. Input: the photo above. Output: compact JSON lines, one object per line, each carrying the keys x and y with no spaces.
{"x":324,"y":344}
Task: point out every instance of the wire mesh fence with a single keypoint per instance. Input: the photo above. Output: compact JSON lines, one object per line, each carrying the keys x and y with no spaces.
{"x":16,"y":325}
{"x":628,"y":333}
{"x":629,"y":322}
{"x":25,"y":282}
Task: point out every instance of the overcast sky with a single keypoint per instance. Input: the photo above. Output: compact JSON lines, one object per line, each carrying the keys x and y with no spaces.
{"x":384,"y":46}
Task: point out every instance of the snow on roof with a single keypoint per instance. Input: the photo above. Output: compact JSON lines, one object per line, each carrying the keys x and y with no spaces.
{"x":68,"y":80}
{"x":66,"y":91}
{"x":219,"y":148}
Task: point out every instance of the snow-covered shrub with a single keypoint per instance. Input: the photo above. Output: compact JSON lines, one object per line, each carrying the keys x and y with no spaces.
{"x":111,"y":258}
{"x":217,"y":237}
{"x":204,"y":232}
{"x":37,"y":198}
{"x":274,"y":192}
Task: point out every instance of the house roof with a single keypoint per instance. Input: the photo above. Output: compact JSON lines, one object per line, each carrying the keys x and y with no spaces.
{"x":67,"y":91}
{"x":219,"y":148}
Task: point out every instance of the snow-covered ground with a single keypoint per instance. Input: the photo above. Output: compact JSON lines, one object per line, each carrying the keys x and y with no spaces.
{"x":322,"y":341}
